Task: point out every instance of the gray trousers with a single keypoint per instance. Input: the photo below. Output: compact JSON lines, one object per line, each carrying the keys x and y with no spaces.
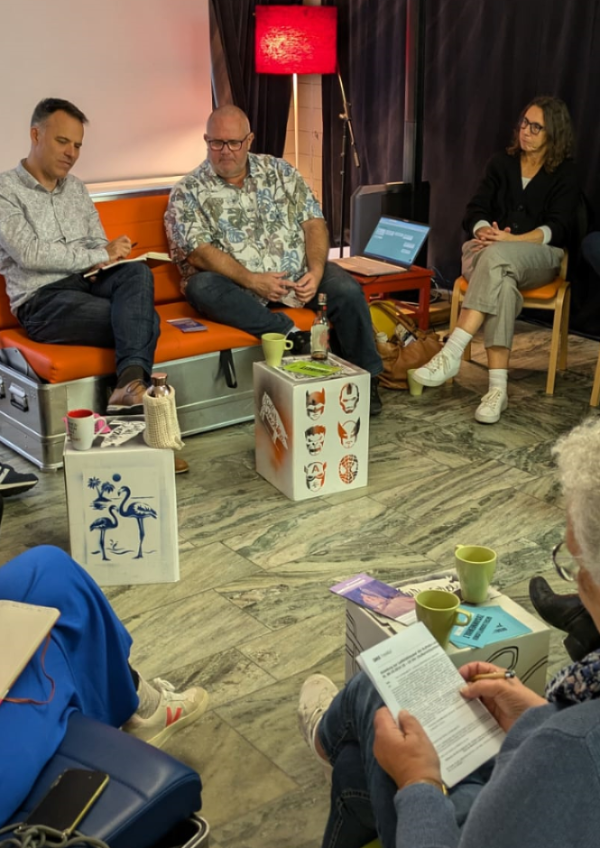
{"x":497,"y":275}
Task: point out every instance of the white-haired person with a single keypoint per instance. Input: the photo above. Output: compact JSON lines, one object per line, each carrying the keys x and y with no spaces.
{"x":543,"y":788}
{"x":83,"y":666}
{"x":518,"y":223}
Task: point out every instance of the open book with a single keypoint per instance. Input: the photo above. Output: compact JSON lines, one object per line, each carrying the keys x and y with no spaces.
{"x":151,"y":259}
{"x":412,"y":672}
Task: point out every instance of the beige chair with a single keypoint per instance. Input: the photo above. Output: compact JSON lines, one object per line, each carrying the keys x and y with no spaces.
{"x":596,"y":387}
{"x":555,"y":296}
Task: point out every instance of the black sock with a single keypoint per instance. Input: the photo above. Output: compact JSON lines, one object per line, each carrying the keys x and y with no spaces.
{"x":135,"y":677}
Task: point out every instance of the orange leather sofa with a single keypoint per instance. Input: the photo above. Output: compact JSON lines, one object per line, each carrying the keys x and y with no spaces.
{"x":206,"y":396}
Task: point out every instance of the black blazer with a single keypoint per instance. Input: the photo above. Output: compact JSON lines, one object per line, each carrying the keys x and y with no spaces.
{"x":549,"y":199}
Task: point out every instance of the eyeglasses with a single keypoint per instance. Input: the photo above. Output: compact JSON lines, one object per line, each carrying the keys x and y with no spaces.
{"x":219,"y":143}
{"x":564,"y":563}
{"x":533,"y":126}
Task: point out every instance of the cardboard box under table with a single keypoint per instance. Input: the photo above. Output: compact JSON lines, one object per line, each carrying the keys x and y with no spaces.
{"x":312,"y":435}
{"x":526,"y":655}
{"x":123,"y":512}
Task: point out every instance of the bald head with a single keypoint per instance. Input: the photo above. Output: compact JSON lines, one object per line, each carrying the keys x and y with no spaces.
{"x":232,"y":115}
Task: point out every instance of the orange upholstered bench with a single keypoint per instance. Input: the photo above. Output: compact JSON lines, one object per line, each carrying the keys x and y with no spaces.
{"x":211,"y":371}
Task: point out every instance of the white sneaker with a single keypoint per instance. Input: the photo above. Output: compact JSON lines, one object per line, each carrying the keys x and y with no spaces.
{"x":316,"y":695}
{"x":491,"y":407}
{"x":175,"y":710}
{"x":440,"y":368}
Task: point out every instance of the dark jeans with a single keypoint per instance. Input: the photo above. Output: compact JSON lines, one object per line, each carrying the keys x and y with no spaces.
{"x":362,"y":794}
{"x":117,"y":310}
{"x":220,"y":299}
{"x":590,"y":247}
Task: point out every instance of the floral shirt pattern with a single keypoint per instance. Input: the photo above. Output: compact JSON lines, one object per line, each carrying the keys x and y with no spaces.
{"x":259,"y":224}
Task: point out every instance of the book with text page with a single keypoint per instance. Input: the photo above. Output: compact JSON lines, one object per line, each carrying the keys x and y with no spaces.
{"x":411,"y":671}
{"x":152,"y":259}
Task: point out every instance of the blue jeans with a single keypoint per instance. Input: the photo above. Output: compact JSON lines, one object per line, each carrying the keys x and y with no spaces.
{"x":115,"y":311}
{"x":362,"y":794}
{"x":590,"y":247}
{"x":220,"y":299}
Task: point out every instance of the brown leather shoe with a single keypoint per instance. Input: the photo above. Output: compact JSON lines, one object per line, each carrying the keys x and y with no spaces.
{"x":129,"y":398}
{"x":181,"y":466}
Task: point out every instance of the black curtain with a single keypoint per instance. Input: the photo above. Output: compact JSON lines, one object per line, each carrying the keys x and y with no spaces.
{"x":484,"y":61}
{"x":265,"y":98}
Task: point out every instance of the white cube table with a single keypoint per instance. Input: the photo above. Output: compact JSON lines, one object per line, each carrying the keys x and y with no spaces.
{"x":526,"y":655}
{"x":123,"y":512}
{"x":312,"y":435}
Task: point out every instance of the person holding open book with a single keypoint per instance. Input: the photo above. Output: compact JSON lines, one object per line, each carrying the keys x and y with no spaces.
{"x":542,"y":789}
{"x":51,"y":236}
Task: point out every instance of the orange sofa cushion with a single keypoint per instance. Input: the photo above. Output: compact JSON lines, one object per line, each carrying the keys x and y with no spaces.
{"x":61,"y":363}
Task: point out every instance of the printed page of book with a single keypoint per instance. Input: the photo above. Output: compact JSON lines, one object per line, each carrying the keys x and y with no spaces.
{"x":412,"y":672}
{"x":152,"y":259}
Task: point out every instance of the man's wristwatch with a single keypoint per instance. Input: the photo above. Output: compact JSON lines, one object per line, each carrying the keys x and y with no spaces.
{"x":438,"y":783}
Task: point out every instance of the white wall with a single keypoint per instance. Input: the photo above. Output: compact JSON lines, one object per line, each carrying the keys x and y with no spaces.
{"x":139,"y":69}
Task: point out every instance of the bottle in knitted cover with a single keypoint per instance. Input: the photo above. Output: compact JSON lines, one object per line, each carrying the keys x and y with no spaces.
{"x":162,"y":427}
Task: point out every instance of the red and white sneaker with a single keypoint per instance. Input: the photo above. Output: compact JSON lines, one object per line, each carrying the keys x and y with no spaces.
{"x":175,"y":711}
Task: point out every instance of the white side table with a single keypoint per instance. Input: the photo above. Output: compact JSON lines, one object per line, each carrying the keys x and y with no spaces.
{"x":123,"y":512}
{"x":312,"y":435}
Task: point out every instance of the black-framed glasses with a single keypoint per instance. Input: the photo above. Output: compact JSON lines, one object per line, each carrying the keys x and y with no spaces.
{"x":533,"y":126}
{"x":564,"y":562}
{"x":233,"y":144}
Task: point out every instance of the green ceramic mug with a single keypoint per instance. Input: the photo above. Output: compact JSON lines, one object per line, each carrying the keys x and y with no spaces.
{"x":274,"y":345}
{"x":475,"y":566}
{"x":439,"y":611}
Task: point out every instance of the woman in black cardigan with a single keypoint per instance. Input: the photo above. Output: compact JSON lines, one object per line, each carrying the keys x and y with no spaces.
{"x":518,"y":222}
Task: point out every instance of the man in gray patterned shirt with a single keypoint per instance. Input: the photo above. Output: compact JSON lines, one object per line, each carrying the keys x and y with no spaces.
{"x":50,"y":236}
{"x":248,"y":233}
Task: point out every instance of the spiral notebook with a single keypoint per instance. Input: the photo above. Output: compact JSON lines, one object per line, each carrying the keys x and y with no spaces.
{"x":23,"y":627}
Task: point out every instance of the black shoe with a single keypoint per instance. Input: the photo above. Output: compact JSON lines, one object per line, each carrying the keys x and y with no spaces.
{"x":301,"y":342}
{"x":567,"y":613}
{"x":376,"y":404}
{"x":13,"y":483}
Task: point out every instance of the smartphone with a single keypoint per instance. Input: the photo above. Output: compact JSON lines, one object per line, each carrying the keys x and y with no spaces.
{"x":68,"y":800}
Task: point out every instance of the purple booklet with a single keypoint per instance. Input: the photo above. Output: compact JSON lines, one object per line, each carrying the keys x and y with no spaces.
{"x":187,"y":325}
{"x":375,"y":595}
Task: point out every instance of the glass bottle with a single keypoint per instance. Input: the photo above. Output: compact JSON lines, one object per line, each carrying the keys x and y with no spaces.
{"x":319,"y":332}
{"x":159,"y":386}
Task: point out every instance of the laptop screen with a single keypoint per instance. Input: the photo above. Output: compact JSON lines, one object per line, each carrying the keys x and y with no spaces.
{"x":397,"y":241}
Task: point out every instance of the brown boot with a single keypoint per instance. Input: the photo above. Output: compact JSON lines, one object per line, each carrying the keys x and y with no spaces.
{"x":181,"y":466}
{"x":128,"y":399}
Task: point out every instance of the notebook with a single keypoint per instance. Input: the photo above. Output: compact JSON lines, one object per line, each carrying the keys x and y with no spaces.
{"x":23,"y":627}
{"x":391,"y":249}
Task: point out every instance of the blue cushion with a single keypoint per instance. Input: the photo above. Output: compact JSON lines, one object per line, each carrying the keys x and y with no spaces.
{"x":148,"y":793}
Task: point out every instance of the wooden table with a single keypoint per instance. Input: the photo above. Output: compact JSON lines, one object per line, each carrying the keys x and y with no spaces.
{"x":415,"y":278}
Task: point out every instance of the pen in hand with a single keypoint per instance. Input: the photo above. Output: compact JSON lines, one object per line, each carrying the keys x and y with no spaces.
{"x":494,"y":675}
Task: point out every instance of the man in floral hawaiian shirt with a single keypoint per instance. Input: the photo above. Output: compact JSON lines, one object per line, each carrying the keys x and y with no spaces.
{"x":247,"y":233}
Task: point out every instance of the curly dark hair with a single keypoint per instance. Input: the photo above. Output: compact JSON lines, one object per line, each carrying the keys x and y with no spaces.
{"x":560,"y":140}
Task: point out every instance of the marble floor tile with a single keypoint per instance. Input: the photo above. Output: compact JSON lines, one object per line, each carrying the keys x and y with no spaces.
{"x":184,"y":631}
{"x":212,"y":746}
{"x":302,"y":646}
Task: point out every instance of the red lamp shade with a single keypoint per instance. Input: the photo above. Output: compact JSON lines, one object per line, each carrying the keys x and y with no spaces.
{"x":296,"y":39}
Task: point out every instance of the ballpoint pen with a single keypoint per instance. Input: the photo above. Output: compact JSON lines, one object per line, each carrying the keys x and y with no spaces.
{"x":494,"y":675}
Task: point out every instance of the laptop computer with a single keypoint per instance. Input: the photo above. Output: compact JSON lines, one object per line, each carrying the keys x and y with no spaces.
{"x":23,"y":627}
{"x":391,"y":249}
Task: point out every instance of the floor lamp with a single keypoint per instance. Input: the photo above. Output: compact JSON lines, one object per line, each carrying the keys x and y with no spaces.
{"x":296,"y":40}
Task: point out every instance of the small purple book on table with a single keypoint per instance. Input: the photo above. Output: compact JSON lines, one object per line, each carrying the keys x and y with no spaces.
{"x":375,"y":595}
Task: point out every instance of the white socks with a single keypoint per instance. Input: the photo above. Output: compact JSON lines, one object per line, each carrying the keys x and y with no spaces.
{"x":498,"y":379}
{"x":149,"y":698}
{"x":457,"y":342}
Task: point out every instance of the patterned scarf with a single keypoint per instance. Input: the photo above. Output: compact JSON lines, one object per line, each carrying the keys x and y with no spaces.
{"x":578,"y":682}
